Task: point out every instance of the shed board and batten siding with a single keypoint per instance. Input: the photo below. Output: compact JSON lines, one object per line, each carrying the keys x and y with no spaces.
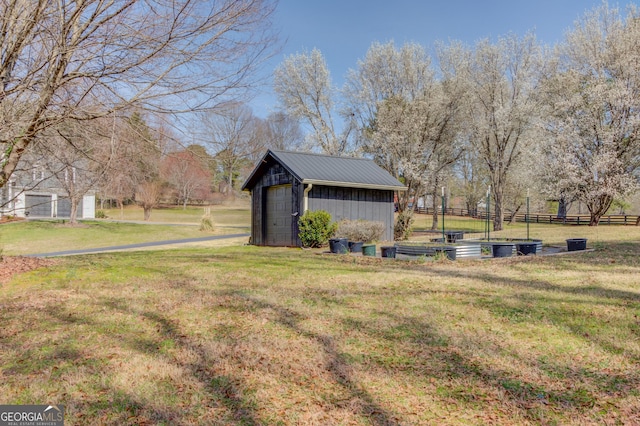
{"x":354,"y":203}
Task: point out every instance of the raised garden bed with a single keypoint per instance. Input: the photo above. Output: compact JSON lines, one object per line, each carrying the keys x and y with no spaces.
{"x":417,"y":250}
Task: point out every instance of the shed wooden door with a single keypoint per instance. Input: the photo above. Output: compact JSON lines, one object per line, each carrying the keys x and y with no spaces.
{"x":278,"y":216}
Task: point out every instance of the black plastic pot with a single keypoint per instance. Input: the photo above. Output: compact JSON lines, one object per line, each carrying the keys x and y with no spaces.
{"x":525,"y":249}
{"x":453,"y":236}
{"x":355,"y":246}
{"x":575,"y":244}
{"x":338,"y":245}
{"x":388,"y":251}
{"x":502,"y":249}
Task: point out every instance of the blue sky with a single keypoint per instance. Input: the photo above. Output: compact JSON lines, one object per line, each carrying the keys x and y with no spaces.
{"x":344,"y":30}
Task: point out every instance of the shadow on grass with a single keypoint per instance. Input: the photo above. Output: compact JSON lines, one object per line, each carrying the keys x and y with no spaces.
{"x":335,"y":363}
{"x":223,"y":389}
{"x":438,"y":356}
{"x":432,"y":352}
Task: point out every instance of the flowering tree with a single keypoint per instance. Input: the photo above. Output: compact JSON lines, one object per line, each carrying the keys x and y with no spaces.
{"x":503,"y":104}
{"x":386,"y":72}
{"x":594,"y":114}
{"x":304,"y":88}
{"x":407,"y":117}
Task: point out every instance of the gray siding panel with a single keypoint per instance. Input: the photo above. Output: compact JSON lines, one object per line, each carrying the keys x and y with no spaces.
{"x":354,"y":204}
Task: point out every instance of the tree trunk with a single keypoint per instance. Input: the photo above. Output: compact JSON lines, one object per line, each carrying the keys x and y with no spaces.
{"x":436,"y":210}
{"x":147,"y":212}
{"x":404,"y":220}
{"x":512,"y":217}
{"x":230,"y":182}
{"x":498,"y":211}
{"x":73,"y":219}
{"x":562,"y":208}
{"x":597,"y":208}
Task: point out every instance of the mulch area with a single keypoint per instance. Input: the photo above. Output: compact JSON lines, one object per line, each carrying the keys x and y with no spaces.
{"x":12,"y":265}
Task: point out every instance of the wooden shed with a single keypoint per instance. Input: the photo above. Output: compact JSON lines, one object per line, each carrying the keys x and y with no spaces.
{"x":286,"y":184}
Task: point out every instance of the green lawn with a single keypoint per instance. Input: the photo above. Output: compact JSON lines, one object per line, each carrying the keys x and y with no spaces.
{"x":249,"y":335}
{"x":30,"y":237}
{"x":44,"y":236}
{"x":231,"y":213}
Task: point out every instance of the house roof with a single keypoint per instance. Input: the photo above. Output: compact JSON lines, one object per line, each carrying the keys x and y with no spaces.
{"x":328,"y":170}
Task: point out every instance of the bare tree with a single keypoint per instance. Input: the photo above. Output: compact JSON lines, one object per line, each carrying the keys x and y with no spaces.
{"x":148,"y":195}
{"x":84,"y":59}
{"x":594,"y":115}
{"x":232,"y":134}
{"x":120,"y":178}
{"x":185,"y":172}
{"x":282,"y":132}
{"x":304,"y":88}
{"x":133,"y":151}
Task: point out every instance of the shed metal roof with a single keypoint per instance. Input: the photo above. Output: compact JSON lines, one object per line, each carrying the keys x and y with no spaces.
{"x":331,"y":171}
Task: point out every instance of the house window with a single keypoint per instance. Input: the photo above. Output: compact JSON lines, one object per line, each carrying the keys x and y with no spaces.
{"x":37,"y":173}
{"x":70,"y":175}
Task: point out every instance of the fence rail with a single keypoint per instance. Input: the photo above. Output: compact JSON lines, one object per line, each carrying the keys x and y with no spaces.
{"x":614,"y":219}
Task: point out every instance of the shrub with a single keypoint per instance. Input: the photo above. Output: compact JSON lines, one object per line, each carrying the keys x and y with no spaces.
{"x":403,"y":226}
{"x":315,"y":228}
{"x":360,"y":230}
{"x":206,"y":223}
{"x":101,"y":214}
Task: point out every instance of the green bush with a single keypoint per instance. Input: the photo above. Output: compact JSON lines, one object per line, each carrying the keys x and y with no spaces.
{"x":315,"y":228}
{"x":360,"y":230}
{"x":101,"y":214}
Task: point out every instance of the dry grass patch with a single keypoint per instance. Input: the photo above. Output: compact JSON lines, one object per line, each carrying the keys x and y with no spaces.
{"x":248,"y":335}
